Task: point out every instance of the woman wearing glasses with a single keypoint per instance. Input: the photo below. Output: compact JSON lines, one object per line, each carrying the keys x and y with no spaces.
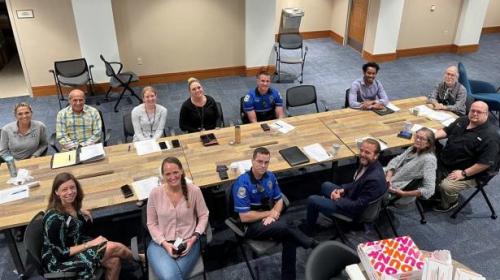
{"x":413,"y":173}
{"x":23,"y":138}
{"x":148,"y":118}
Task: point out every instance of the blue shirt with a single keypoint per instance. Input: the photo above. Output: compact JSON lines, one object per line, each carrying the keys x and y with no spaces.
{"x":249,"y":192}
{"x":263,"y":105}
{"x":360,"y":92}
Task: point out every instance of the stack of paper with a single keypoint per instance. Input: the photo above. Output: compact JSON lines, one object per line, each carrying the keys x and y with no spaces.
{"x":92,"y":152}
{"x":439,"y":116}
{"x":142,"y":188}
{"x":316,"y":152}
{"x":282,"y":126}
{"x":436,"y":270}
{"x":146,"y":147}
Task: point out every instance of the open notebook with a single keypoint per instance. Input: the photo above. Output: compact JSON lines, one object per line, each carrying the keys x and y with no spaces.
{"x":81,"y":155}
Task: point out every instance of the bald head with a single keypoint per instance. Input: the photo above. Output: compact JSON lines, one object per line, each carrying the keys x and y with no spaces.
{"x":77,"y":100}
{"x":478,"y":113}
{"x":451,"y":76}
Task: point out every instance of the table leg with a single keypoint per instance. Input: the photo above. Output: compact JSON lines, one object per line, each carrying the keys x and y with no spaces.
{"x":14,"y":251}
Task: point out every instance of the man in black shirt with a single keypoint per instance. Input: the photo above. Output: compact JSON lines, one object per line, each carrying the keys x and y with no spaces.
{"x":470,"y":151}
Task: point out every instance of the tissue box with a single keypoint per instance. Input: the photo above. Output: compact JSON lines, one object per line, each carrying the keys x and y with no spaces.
{"x":395,"y":258}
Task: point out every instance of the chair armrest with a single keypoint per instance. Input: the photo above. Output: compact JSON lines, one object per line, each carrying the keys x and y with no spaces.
{"x":323,"y":103}
{"x":134,"y":247}
{"x":119,"y":64}
{"x":478,"y":87}
{"x":58,"y":275}
{"x":108,"y":136}
{"x":53,"y":142}
{"x":342,"y":217}
{"x":232,"y":225}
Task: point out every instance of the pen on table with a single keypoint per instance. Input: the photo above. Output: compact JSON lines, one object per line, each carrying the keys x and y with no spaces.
{"x":278,"y":124}
{"x":18,"y":192}
{"x":379,"y":139}
{"x":69,"y":157}
{"x":129,"y":148}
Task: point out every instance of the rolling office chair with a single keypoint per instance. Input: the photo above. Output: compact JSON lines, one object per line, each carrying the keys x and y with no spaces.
{"x":328,"y":260}
{"x":258,"y":247}
{"x":243,"y":115}
{"x":33,"y":241}
{"x":301,"y":96}
{"x":119,"y":79}
{"x":292,"y":42}
{"x":72,"y":73}
{"x":480,"y":90}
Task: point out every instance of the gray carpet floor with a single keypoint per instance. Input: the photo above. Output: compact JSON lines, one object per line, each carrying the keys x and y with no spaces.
{"x":473,"y":238}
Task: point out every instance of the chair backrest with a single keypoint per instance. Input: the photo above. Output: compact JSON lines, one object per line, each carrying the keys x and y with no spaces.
{"x":33,"y":241}
{"x":110,"y":71}
{"x":300,"y":96}
{"x":71,"y":68}
{"x":372,"y":210}
{"x":328,"y":260}
{"x":103,"y":128}
{"x":128,"y":128}
{"x":290,"y":41}
{"x":221,"y":114}
{"x":463,"y":79}
{"x":346,"y":102}
{"x":243,"y":114}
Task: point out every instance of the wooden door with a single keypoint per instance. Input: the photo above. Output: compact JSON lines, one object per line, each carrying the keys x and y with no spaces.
{"x":357,"y":24}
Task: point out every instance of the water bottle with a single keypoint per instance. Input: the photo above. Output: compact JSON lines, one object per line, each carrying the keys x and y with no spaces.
{"x":9,"y":160}
{"x":237,"y":134}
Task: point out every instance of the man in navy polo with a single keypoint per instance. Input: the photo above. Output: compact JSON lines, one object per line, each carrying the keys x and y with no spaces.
{"x":259,"y":205}
{"x":263,"y":103}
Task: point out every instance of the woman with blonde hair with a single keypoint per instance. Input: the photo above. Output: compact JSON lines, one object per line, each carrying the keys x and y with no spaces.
{"x":149,"y":118}
{"x":199,"y":112}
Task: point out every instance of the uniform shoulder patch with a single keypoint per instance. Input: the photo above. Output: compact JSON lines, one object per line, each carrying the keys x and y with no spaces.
{"x":247,"y":98}
{"x":242,"y":192}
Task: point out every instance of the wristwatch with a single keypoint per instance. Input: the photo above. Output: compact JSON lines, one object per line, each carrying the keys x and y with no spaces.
{"x":464,"y":174}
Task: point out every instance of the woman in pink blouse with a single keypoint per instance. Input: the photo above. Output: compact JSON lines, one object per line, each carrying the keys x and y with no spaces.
{"x":175,"y":210}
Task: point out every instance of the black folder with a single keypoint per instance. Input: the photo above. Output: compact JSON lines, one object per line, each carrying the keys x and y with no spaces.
{"x":294,"y":156}
{"x":384,"y":111}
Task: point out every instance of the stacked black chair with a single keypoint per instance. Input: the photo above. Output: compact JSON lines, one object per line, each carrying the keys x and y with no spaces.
{"x":301,"y":96}
{"x":72,"y":73}
{"x":328,"y":260}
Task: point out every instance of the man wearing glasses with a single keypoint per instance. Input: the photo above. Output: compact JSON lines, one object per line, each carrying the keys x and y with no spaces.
{"x":259,"y":205}
{"x":471,"y":150}
{"x":449,"y":94}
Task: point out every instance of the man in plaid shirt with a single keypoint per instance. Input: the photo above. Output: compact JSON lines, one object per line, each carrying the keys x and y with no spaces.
{"x":78,"y":124}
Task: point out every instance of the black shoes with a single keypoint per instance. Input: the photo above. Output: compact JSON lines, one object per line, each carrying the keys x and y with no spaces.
{"x":440,"y":208}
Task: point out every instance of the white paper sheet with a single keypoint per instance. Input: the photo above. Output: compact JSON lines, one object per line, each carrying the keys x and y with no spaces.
{"x":462,"y":274}
{"x":142,"y":188}
{"x":13,"y":194}
{"x":317,"y":152}
{"x":282,"y":126}
{"x":435,"y":270}
{"x":243,"y":165}
{"x":354,"y":272}
{"x":91,"y":152}
{"x":393,"y":107}
{"x":427,"y":112}
{"x":146,"y":147}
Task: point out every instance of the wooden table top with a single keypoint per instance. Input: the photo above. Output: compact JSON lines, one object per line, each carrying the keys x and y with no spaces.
{"x":100,"y":191}
{"x":203,"y":161}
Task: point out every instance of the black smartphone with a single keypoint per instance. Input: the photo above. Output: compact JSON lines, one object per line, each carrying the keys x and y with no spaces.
{"x":181,"y":248}
{"x":176,"y":143}
{"x":265,"y":126}
{"x":405,"y":134}
{"x":126,"y":191}
{"x":163,"y":146}
{"x":223,"y":175}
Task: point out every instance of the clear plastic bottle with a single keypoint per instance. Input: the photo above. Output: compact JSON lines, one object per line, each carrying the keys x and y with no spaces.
{"x":9,"y":160}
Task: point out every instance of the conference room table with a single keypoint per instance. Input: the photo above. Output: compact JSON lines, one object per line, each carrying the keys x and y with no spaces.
{"x":101,"y":180}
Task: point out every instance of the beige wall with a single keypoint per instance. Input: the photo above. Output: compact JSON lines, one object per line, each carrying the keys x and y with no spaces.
{"x":48,"y":37}
{"x":338,"y":23}
{"x":371,"y":25}
{"x":422,"y":28}
{"x":493,"y":14}
{"x":177,"y":36}
{"x":317,"y":13}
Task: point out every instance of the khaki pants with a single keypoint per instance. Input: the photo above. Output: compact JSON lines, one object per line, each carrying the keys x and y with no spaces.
{"x":450,"y":189}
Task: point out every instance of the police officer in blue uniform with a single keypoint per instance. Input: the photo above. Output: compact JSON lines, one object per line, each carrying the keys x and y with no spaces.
{"x":263,"y":103}
{"x":259,"y":204}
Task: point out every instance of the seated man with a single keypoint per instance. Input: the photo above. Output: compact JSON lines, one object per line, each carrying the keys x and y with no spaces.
{"x":449,"y":94}
{"x":471,"y":150}
{"x":258,"y":202}
{"x":263,"y":103}
{"x":350,"y":199}
{"x":367,"y":93}
{"x":78,"y":124}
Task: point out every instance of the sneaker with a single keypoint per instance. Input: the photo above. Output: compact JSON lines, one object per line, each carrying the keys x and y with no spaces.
{"x":440,"y":208}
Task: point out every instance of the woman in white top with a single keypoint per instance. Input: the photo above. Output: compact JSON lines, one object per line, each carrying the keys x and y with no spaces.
{"x":148,"y":118}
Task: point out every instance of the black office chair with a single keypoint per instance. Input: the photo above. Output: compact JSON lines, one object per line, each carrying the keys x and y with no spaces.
{"x":258,"y":247}
{"x":199,"y":268}
{"x":301,"y":96}
{"x":290,"y":42}
{"x":328,"y":260}
{"x":220,"y":121}
{"x":119,"y":79}
{"x":33,"y":241}
{"x":128,"y":128}
{"x":482,"y":182}
{"x":368,"y":217}
{"x":413,"y":185}
{"x":72,"y":73}
{"x":106,"y":135}
{"x":243,"y":114}
{"x":346,"y":102}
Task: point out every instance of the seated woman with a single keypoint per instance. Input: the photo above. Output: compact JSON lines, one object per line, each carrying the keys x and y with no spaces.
{"x":23,"y":138}
{"x":175,"y":210}
{"x":199,"y":112}
{"x":64,"y":247}
{"x":148,"y":118}
{"x":413,"y":173}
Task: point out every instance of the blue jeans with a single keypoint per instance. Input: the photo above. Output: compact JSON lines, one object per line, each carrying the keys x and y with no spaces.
{"x":165,"y":267}
{"x":321,"y":203}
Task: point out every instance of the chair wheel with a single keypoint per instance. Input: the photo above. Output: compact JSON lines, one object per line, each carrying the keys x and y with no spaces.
{"x":423,"y":222}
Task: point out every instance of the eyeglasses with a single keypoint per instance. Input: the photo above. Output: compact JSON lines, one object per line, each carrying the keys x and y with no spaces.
{"x":477,"y":112}
{"x":420,"y":138}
